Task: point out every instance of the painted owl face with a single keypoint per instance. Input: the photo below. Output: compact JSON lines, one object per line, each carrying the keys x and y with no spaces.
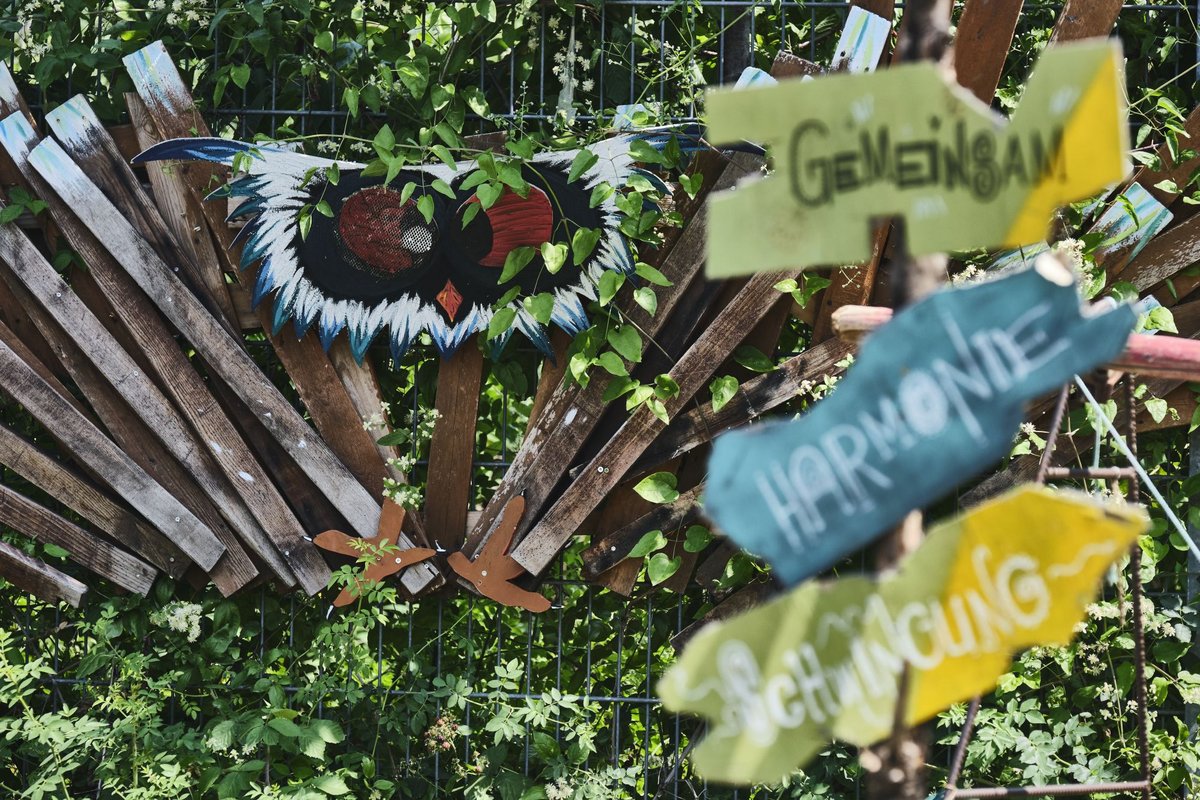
{"x":377,"y":263}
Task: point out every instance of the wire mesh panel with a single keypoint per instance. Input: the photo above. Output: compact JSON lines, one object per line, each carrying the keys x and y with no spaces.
{"x":440,"y":695}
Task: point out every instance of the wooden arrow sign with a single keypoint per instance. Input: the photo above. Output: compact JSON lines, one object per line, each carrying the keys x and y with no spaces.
{"x":849,"y":149}
{"x":492,"y":573}
{"x":824,"y":661}
{"x":935,"y":397}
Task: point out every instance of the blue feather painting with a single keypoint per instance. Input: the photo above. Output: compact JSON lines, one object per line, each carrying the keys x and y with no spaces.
{"x":381,"y":262}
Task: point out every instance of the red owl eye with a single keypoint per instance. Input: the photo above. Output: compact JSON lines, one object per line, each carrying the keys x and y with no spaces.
{"x":512,"y":221}
{"x":385,"y":233}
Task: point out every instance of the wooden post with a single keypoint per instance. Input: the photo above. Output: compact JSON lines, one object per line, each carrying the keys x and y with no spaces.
{"x":452,"y":449}
{"x":39,"y":579}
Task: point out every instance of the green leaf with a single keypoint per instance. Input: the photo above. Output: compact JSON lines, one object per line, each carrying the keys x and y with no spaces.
{"x":658,"y":488}
{"x":10,"y":214}
{"x":812,"y":285}
{"x":627,"y":342}
{"x":1160,"y":318}
{"x":517,"y":259}
{"x":331,"y":785}
{"x":55,"y":551}
{"x":285,"y":727}
{"x":618,"y":386}
{"x":583,"y":161}
{"x":323,"y":41}
{"x":554,"y":256}
{"x":696,"y":538}
{"x":649,"y":273}
{"x":240,"y":75}
{"x":384,"y":141}
{"x":640,"y":394}
{"x":328,"y":730}
{"x":426,"y":206}
{"x":723,"y":390}
{"x":398,"y":436}
{"x":645,"y":297}
{"x":304,"y":221}
{"x":501,"y":322}
{"x":660,"y":567}
{"x":753,"y":359}
{"x":665,"y":387}
{"x":350,"y":99}
{"x":540,"y":306}
{"x":659,"y":409}
{"x":600,"y":193}
{"x":610,"y":283}
{"x":612,"y":363}
{"x":324,"y":210}
{"x":583,"y":243}
{"x":333,"y":174}
{"x":691,"y":183}
{"x":414,"y":74}
{"x":488,"y":193}
{"x":644,"y":153}
{"x":512,"y":177}
{"x":1157,"y":407}
{"x":650,"y":541}
{"x":442,"y":187}
{"x":469,"y":213}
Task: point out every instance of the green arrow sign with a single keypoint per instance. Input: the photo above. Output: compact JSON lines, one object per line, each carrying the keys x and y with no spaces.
{"x":849,"y":149}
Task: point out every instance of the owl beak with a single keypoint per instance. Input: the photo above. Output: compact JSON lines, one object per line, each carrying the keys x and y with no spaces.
{"x":449,"y":298}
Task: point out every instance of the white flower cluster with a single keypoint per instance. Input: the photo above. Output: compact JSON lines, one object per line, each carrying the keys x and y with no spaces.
{"x":1070,"y":252}
{"x":183,"y":12}
{"x":180,"y":617}
{"x":559,"y":790}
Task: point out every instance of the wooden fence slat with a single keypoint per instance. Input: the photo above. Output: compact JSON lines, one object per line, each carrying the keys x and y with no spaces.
{"x":37,"y":522}
{"x":283,"y":547}
{"x":222,"y":353}
{"x":612,"y":549}
{"x":572,"y":413}
{"x":27,"y":517}
{"x":66,"y":487}
{"x":546,"y":538}
{"x":127,"y":378}
{"x":1083,"y":19}
{"x":755,"y":397}
{"x":108,"y":461}
{"x":452,"y":448}
{"x":321,"y":387}
{"x":17,"y":345}
{"x":39,"y":578}
{"x":981,"y":44}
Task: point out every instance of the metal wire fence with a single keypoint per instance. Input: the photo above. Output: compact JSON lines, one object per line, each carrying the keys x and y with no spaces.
{"x":592,"y":644}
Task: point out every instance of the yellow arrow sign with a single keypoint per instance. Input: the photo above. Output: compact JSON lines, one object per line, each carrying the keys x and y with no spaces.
{"x":824,"y":660}
{"x":849,"y":149}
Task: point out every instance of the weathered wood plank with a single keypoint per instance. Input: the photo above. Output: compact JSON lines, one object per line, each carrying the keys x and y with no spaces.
{"x":27,"y":517}
{"x":84,"y":499}
{"x":1083,"y":19}
{"x":223,"y":354}
{"x":39,"y":578}
{"x":546,"y":538}
{"x":144,"y":398}
{"x":320,"y":386}
{"x":452,"y":448}
{"x":108,"y":461}
{"x":981,"y":43}
{"x":614,"y":548}
{"x":572,"y":413}
{"x":181,"y":216}
{"x":755,"y":397}
{"x":276,"y":536}
{"x":17,"y":344}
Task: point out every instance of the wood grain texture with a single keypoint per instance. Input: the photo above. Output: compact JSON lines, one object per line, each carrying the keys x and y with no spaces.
{"x":26,"y":460}
{"x":274,"y":533}
{"x":981,"y":44}
{"x":17,"y":344}
{"x":613,"y":548}
{"x":542,"y":543}
{"x":755,"y":397}
{"x":223,"y":354}
{"x":572,"y":413}
{"x":182,"y":218}
{"x":321,"y":389}
{"x":452,"y":448}
{"x":27,"y":517}
{"x":1083,"y":19}
{"x":108,"y":461}
{"x":39,"y":578}
{"x":1167,"y":254}
{"x":144,"y":398}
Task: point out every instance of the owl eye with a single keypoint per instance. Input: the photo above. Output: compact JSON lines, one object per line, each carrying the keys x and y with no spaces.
{"x":384,"y":231}
{"x":512,"y":221}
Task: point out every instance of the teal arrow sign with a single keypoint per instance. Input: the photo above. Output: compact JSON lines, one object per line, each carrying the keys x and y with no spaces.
{"x":935,"y":397}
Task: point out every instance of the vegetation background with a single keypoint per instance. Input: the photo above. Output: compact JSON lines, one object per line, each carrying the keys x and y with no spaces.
{"x":187,"y":695}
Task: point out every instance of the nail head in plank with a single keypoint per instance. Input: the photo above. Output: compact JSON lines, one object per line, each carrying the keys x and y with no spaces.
{"x":39,"y":578}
